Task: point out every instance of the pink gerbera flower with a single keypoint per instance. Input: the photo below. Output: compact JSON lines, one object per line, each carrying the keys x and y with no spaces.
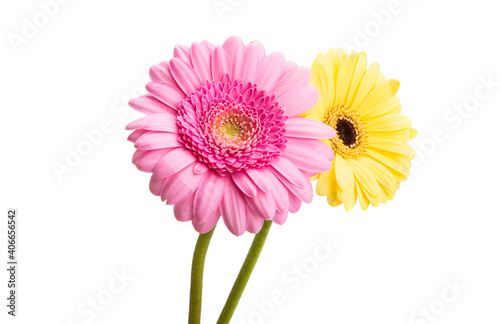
{"x":222,"y":135}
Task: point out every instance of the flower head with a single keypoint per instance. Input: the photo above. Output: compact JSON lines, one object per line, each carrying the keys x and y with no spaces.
{"x":371,"y":153}
{"x":222,"y":135}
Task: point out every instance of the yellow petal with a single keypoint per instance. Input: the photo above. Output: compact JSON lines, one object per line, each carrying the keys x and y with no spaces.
{"x":413,"y":133}
{"x":323,"y":187}
{"x":357,"y":76}
{"x":343,"y":173}
{"x":333,"y":199}
{"x":402,"y":135}
{"x":386,"y":195}
{"x":380,"y":172}
{"x":379,"y":101}
{"x":366,"y":85}
{"x":337,"y":56}
{"x":375,"y":201}
{"x":394,"y":86}
{"x":363,"y":199}
{"x":381,"y":78}
{"x":365,"y":178}
{"x":387,"y":123}
{"x":344,"y":79}
{"x":396,"y":109}
{"x":313,"y":115}
{"x":318,"y":111}
{"x":395,"y":166}
{"x":403,"y":160}
{"x":322,"y":78}
{"x":391,"y":146}
{"x":351,"y":202}
{"x":315,"y":177}
{"x":346,"y":195}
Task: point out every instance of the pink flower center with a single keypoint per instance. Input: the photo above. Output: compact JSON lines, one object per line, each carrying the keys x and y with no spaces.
{"x":232,"y":126}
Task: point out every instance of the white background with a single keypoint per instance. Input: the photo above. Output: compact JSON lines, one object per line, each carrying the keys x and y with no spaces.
{"x":87,"y":60}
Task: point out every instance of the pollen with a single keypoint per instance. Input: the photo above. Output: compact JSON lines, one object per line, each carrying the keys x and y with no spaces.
{"x":232,"y":130}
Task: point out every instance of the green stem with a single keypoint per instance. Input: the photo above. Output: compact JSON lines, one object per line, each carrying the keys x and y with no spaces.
{"x":200,"y":252}
{"x":244,"y":275}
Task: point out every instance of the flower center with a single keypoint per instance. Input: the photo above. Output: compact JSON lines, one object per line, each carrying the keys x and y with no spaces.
{"x":232,"y":130}
{"x":347,"y":132}
{"x":351,"y":139}
{"x":232,"y":126}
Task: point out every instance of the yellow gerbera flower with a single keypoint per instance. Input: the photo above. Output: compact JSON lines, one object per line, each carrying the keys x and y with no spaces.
{"x":371,"y":153}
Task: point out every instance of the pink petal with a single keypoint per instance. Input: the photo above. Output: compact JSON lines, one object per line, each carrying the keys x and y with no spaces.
{"x":220,"y":64}
{"x":304,"y":192}
{"x":201,"y":58}
{"x":234,"y":210}
{"x":182,"y":52}
{"x":157,"y":140}
{"x":299,"y":100}
{"x":209,"y":46}
{"x":161,"y":122}
{"x":235,"y":49}
{"x":169,"y":95}
{"x":254,"y":222}
{"x":259,"y":177}
{"x":319,"y":147}
{"x":280,"y":218}
{"x":184,"y":74}
{"x":173,"y":162}
{"x":155,"y":186}
{"x":209,"y":196}
{"x":137,"y":154}
{"x":288,"y":170}
{"x":207,"y":226}
{"x":308,"y":128}
{"x":161,"y":73}
{"x":294,"y":203}
{"x":261,"y":52}
{"x":309,"y":173}
{"x":148,"y":160}
{"x":200,"y":168}
{"x":183,"y":211}
{"x":306,"y":159}
{"x":148,"y":104}
{"x":269,"y":71}
{"x":308,"y":191}
{"x":244,"y":183}
{"x":289,"y":66}
{"x":264,"y":204}
{"x":250,"y":64}
{"x":134,"y":136}
{"x":280,"y":193}
{"x":181,"y":185}
{"x":296,"y":78}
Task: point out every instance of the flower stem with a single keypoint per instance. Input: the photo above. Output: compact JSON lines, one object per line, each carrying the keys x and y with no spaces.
{"x":244,"y":275}
{"x":200,"y":252}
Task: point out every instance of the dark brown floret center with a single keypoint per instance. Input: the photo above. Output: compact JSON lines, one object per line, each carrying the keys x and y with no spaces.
{"x":346,"y":131}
